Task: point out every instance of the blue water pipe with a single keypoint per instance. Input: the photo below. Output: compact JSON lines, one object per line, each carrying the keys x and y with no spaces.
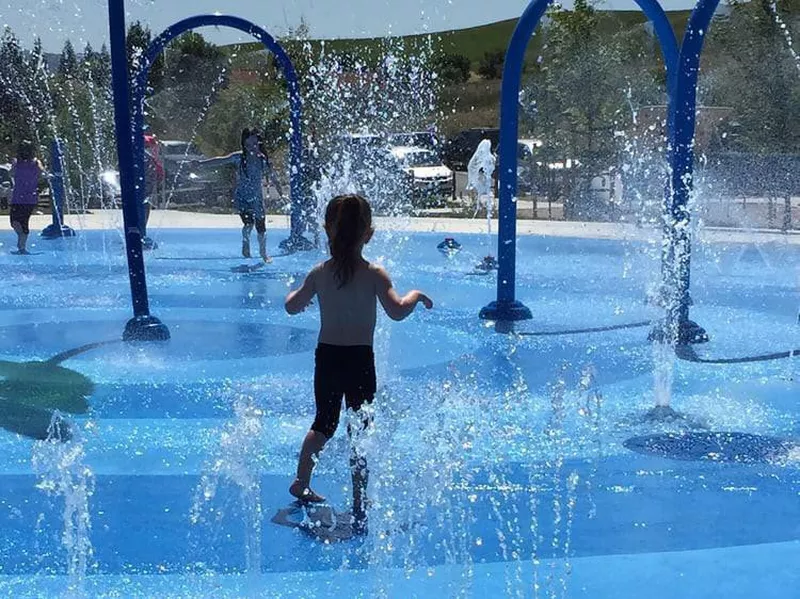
{"x":301,"y":218}
{"x":506,"y":308}
{"x":57,"y":195}
{"x":143,"y":326}
{"x":679,"y":329}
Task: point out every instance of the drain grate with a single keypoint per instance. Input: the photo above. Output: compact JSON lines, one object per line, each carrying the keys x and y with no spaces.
{"x":742,"y":448}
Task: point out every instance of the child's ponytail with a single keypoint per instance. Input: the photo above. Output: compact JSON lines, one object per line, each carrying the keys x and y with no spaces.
{"x":348,"y":220}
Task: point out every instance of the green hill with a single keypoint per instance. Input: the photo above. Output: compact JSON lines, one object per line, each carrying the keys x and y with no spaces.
{"x":475,"y":103}
{"x":472,"y":42}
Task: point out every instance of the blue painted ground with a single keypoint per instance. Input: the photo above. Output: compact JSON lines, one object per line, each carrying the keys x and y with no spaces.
{"x":496,"y":460}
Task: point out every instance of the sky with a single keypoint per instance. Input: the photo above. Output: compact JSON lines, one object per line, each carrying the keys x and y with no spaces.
{"x":86,"y":20}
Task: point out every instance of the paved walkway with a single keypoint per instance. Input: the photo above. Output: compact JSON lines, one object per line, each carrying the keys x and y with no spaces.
{"x":173,"y":219}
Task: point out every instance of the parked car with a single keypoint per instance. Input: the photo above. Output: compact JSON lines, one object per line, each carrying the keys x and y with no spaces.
{"x":431,"y":181}
{"x":363,"y":163}
{"x":415,"y":139}
{"x":177,"y":157}
{"x":6,"y":184}
{"x":459,"y":149}
{"x":186,"y":185}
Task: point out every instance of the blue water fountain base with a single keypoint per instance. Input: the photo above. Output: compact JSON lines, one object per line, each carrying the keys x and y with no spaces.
{"x":145,"y":328}
{"x":296,"y":243}
{"x":663,"y":414}
{"x":689,"y":333}
{"x":505,"y":311}
{"x":54,"y":232}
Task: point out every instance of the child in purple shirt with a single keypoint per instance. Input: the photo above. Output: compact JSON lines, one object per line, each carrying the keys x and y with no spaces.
{"x":26,"y":172}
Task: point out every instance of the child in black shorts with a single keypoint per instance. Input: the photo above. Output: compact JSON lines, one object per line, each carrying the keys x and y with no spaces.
{"x":348,"y":288}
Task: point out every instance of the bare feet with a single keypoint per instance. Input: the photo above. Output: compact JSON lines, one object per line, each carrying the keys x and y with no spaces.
{"x":298,"y":491}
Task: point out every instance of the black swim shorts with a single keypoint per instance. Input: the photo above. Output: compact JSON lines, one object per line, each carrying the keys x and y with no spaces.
{"x":341,"y":371}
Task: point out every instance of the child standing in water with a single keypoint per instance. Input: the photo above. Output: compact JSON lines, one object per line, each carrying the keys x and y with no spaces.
{"x":252,"y":166}
{"x":348,"y":288}
{"x":26,"y":172}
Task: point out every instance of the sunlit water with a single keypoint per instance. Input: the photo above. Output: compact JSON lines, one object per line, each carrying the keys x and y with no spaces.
{"x":497,"y":464}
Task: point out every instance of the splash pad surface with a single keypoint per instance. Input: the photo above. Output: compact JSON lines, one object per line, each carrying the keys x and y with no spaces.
{"x":498,"y":460}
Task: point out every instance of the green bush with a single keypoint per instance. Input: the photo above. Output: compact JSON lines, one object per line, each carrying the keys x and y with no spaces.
{"x":491,"y":65}
{"x":452,"y":69}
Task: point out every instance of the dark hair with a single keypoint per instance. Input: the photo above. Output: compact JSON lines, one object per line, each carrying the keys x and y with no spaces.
{"x":246,"y":133}
{"x":26,"y":150}
{"x":348,"y":220}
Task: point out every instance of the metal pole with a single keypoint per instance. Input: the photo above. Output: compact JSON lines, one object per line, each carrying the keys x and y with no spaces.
{"x":678,"y":328}
{"x":143,"y":326}
{"x":57,"y":194}
{"x":302,"y":215}
{"x":506,"y":307}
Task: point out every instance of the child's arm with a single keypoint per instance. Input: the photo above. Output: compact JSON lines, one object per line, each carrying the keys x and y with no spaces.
{"x":217,"y":160}
{"x":396,"y":307}
{"x":299,"y":299}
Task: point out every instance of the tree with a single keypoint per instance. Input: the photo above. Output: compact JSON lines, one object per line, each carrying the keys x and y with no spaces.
{"x":101,"y":68}
{"x":24,"y":96}
{"x":751,"y":69}
{"x":68,"y":65}
{"x":13,"y":125}
{"x":240,"y":105}
{"x":137,"y":41}
{"x":37,"y":54}
{"x":593,"y":75}
{"x":196,"y":72}
{"x":491,"y":65}
{"x":452,"y":69}
{"x":192,"y":59}
{"x":88,"y":54}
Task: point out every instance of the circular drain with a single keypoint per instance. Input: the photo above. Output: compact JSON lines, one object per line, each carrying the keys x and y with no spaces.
{"x":742,"y":448}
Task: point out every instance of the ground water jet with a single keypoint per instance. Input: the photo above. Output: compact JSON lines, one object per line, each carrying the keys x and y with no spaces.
{"x":237,"y":461}
{"x":62,"y":472}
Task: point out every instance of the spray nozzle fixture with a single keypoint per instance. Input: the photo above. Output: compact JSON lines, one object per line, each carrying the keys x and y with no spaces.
{"x":449,"y":247}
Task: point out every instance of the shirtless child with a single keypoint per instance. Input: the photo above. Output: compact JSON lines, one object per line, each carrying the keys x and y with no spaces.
{"x":348,"y":288}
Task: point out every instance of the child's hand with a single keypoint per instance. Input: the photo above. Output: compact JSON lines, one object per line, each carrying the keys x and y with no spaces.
{"x":426,"y":301}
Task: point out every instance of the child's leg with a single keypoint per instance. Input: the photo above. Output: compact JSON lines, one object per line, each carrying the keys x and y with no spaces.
{"x":328,"y":400}
{"x":359,"y":472}
{"x":358,"y":399}
{"x":261,"y":230}
{"x":247,"y":228}
{"x":312,"y":445}
{"x":360,"y":477}
{"x":17,"y":226}
{"x":19,"y":223}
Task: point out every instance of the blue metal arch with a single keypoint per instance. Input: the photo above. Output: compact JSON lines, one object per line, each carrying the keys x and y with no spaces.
{"x":298,"y":216}
{"x":683,"y":108}
{"x":506,"y":307}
